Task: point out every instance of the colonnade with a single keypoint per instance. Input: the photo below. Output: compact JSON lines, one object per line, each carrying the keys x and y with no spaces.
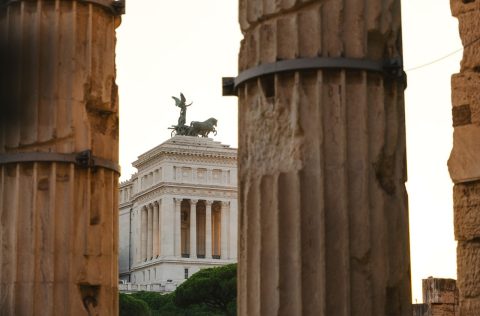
{"x":150,"y":231}
{"x":186,"y":228}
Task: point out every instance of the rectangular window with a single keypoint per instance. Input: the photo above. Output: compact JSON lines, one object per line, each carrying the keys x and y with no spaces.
{"x":186,"y":273}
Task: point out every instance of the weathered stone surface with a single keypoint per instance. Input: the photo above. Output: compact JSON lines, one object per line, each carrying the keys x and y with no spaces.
{"x":469,"y":25}
{"x":468,"y":267}
{"x":465,"y":93}
{"x":439,"y":291}
{"x":463,"y":6}
{"x":58,"y":222}
{"x":463,"y":163}
{"x":466,"y":204}
{"x":442,"y":310}
{"x":420,"y":310}
{"x":323,"y":210}
{"x":469,"y":306}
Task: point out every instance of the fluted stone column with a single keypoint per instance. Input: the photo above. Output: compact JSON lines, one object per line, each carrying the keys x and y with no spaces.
{"x":193,"y":228}
{"x":149,"y":231}
{"x":224,"y":217}
{"x":208,"y":230}
{"x":464,"y":162}
{"x":156,"y":234}
{"x":143,"y":233}
{"x":323,"y":206}
{"x":167,"y":208}
{"x":178,"y":227}
{"x":59,"y":220}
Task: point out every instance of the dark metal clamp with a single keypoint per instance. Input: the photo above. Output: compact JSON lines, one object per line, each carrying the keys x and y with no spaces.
{"x":391,"y":68}
{"x":83,"y":159}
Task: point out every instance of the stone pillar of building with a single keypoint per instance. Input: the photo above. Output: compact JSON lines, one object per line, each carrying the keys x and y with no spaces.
{"x":233,"y":228}
{"x":225,"y":219}
{"x":193,"y":228}
{"x":149,"y":231}
{"x":143,"y":233}
{"x":208,"y":229}
{"x":322,"y":165}
{"x":59,"y":208}
{"x":177,"y":224}
{"x":156,"y":226}
{"x":167,"y":212}
{"x":464,"y":162}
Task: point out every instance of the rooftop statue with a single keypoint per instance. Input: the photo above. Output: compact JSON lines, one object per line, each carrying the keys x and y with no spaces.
{"x":196,"y":128}
{"x":183,"y":109}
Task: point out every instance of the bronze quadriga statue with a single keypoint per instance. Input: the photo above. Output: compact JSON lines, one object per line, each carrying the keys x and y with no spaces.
{"x":196,"y":128}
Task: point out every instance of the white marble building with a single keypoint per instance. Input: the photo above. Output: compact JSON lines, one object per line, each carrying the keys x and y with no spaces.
{"x":178,"y":213}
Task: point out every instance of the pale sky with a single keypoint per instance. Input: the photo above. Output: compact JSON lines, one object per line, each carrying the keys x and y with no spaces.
{"x":165,"y":48}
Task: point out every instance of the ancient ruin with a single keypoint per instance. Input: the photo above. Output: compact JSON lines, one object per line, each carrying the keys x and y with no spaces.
{"x":464,"y":163}
{"x":323,"y":207}
{"x":58,"y":158}
{"x":440,"y":298}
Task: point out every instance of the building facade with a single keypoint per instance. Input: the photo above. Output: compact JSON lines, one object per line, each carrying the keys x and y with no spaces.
{"x":178,"y":213}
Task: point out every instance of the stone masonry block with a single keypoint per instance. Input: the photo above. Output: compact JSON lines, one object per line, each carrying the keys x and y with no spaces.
{"x":463,"y":163}
{"x":468,"y":269}
{"x":469,"y":307}
{"x":459,"y":7}
{"x":442,"y":310}
{"x":466,"y":95}
{"x":466,"y":204}
{"x":439,"y":291}
{"x":469,"y":25}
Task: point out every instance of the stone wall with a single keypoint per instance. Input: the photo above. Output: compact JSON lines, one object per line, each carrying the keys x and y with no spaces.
{"x":440,"y":298}
{"x":464,"y":163}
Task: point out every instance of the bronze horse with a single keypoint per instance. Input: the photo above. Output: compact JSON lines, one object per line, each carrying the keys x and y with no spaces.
{"x":203,"y":128}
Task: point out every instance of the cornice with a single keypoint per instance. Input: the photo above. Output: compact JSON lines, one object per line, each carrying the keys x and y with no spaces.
{"x":186,"y":146}
{"x":174,"y":260}
{"x":185,"y":190}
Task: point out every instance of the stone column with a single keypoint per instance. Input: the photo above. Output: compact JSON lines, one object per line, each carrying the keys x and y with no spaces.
{"x":224,"y":218}
{"x":193,"y":228}
{"x":208,"y":230}
{"x":233,"y":229}
{"x":464,"y":163}
{"x":149,"y":231}
{"x":178,"y":227}
{"x":323,"y":206}
{"x":59,"y":220}
{"x":167,"y":212}
{"x":143,"y":233}
{"x":156,"y":234}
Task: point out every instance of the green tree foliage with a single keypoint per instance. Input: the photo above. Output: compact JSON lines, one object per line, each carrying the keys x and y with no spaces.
{"x":131,"y":306}
{"x":209,"y":292}
{"x":154,"y":300}
{"x":214,"y":287}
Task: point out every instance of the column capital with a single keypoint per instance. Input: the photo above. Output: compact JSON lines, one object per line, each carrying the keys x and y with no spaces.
{"x":177,"y":201}
{"x":193,"y":201}
{"x":209,"y":203}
